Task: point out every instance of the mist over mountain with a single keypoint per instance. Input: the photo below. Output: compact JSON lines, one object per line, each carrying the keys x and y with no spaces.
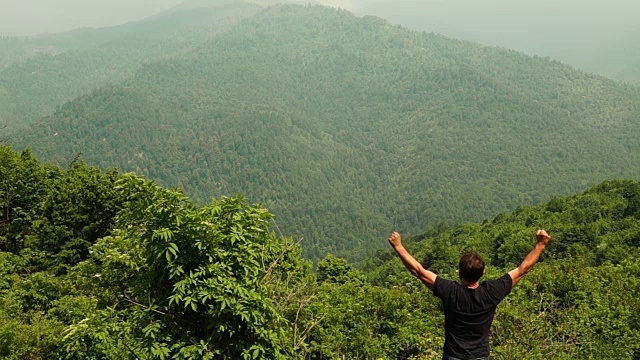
{"x":593,"y":35}
{"x":37,"y":17}
{"x":346,"y":128}
{"x":596,"y":36}
{"x":37,"y":74}
{"x":43,"y":17}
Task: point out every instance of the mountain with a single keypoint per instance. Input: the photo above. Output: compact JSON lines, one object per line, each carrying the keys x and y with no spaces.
{"x":600,"y":37}
{"x":37,"y":74}
{"x":347,"y":128}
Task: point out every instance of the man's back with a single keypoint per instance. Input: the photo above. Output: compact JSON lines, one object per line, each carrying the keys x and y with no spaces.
{"x":469,"y":309}
{"x":468,"y":314}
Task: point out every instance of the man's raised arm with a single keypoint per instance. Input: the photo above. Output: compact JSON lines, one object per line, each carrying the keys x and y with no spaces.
{"x":531,"y":259}
{"x":426,"y":276}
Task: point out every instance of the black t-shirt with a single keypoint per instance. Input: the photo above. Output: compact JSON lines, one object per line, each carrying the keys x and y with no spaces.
{"x":468,"y":314}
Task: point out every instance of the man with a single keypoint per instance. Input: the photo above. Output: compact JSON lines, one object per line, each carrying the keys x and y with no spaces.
{"x":469,"y":306}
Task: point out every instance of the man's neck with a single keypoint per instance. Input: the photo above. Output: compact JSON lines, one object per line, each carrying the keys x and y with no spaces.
{"x":472,"y":285}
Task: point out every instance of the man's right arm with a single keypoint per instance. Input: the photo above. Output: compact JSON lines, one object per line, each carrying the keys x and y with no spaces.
{"x":427,"y":277}
{"x":531,"y":259}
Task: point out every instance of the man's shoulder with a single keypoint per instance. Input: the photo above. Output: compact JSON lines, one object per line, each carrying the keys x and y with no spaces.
{"x":499,"y":287}
{"x":504,"y":279}
{"x":443,"y":281}
{"x":442,"y":286}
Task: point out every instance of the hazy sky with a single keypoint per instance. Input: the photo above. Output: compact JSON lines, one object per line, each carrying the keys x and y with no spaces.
{"x":29,"y":17}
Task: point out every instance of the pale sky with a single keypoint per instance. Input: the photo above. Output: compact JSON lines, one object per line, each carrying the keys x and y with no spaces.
{"x":31,"y":17}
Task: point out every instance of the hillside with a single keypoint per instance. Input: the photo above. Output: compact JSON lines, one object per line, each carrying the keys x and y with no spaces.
{"x":347,"y":128}
{"x":37,"y":74}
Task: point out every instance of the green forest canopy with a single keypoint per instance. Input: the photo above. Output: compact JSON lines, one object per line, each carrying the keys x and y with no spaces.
{"x":105,"y":265}
{"x":348,"y":128}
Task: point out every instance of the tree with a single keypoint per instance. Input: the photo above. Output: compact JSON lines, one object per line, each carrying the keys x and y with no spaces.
{"x":337,"y":270}
{"x":178,"y":281}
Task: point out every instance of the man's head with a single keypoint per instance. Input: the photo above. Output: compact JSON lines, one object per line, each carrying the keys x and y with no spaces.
{"x":471,"y":267}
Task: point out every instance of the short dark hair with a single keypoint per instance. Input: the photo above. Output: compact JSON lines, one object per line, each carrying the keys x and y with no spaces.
{"x":471,"y":266}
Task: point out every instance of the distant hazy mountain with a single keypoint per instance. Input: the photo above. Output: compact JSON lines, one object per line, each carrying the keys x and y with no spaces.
{"x":598,"y":36}
{"x":39,"y":73}
{"x":190,"y":4}
{"x":348,"y":128}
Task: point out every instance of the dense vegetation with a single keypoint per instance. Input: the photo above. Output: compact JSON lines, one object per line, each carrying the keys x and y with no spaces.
{"x":108,"y":265}
{"x":347,"y":128}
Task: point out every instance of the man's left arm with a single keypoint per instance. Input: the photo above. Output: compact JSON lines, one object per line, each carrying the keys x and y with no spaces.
{"x":530,"y":260}
{"x":427,"y":277}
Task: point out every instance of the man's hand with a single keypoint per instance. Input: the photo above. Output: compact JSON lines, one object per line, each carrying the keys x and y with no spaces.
{"x":543,"y":237}
{"x":395,"y":240}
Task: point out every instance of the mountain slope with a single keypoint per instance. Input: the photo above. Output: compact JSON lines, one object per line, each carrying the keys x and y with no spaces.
{"x":37,"y":74}
{"x":347,"y":128}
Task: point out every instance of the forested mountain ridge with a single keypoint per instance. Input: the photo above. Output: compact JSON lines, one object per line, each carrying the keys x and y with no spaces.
{"x":109,"y":265}
{"x":191,"y":21}
{"x":37,"y":74}
{"x":347,"y":128}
